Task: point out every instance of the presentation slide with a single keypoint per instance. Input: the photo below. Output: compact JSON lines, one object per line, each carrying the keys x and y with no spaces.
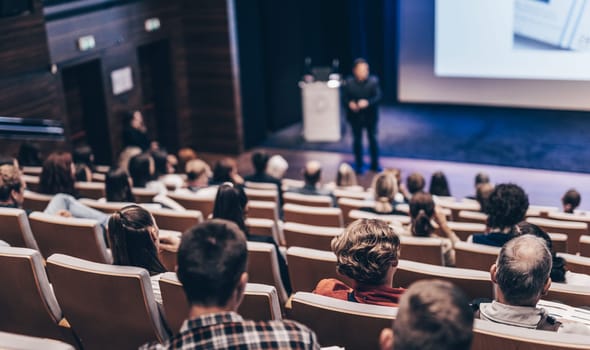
{"x":513,"y":53}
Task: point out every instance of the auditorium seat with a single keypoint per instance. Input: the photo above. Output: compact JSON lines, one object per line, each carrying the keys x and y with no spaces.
{"x":194,"y":202}
{"x":349,"y":204}
{"x":263,"y":210}
{"x":465,"y":229}
{"x":422,"y":249}
{"x":32,"y":170}
{"x":308,"y":266}
{"x":4,"y":244}
{"x":105,"y":207}
{"x":578,"y":296}
{"x":341,"y":323}
{"x":261,"y":302}
{"x":109,"y":307}
{"x":352,"y":193}
{"x":92,"y":190}
{"x":291,"y":183}
{"x":263,"y":267}
{"x":472,"y":216}
{"x":11,"y":341}
{"x":27,"y":302}
{"x":175,"y":220}
{"x":392,"y":219}
{"x":261,"y":186}
{"x":309,"y":236}
{"x":144,"y":195}
{"x":559,"y":242}
{"x":540,"y":211}
{"x":474,"y":283}
{"x":32,"y":182}
{"x":475,"y":256}
{"x":34,"y":201}
{"x":98,"y":177}
{"x":169,"y":258}
{"x":585,"y":246}
{"x":16,"y":230}
{"x":457,"y":207}
{"x":317,"y":216}
{"x":81,"y":238}
{"x":263,"y":227}
{"x":308,"y":200}
{"x":572,"y":229}
{"x":262,"y":195}
{"x":576,"y":263}
{"x":492,"y":336}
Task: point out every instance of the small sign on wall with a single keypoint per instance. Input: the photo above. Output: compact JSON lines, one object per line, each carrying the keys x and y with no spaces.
{"x":121,"y":80}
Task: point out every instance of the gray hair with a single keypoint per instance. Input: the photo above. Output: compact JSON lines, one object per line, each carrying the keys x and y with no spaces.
{"x":522,"y":269}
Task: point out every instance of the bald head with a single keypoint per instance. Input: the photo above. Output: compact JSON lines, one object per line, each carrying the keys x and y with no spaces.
{"x":312,"y":172}
{"x":522,"y":270}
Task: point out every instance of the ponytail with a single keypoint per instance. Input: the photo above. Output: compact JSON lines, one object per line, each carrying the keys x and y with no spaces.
{"x":421,"y":226}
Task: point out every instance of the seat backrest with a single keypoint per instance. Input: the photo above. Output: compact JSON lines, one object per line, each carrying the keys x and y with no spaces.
{"x":490,"y":336}
{"x":168,"y":257}
{"x":422,"y":249}
{"x":263,"y":210}
{"x":175,"y":220}
{"x":261,"y":302}
{"x":352,"y":193}
{"x":572,"y":295}
{"x":22,"y":342}
{"x":540,"y":211}
{"x":348,"y":204}
{"x":16,"y":230}
{"x":144,"y":195}
{"x":309,"y":236}
{"x":317,"y":216}
{"x":475,"y":256}
{"x":105,"y":207}
{"x":26,"y":299}
{"x":262,"y":195}
{"x":194,"y":202}
{"x":573,"y":229}
{"x":261,"y":185}
{"x":92,"y":190}
{"x":558,"y":242}
{"x":82,"y":238}
{"x":457,"y":207}
{"x":263,"y":227}
{"x":109,"y":307}
{"x":392,"y":219}
{"x":585,"y":245}
{"x":576,"y":263}
{"x":342,"y":323}
{"x":471,"y":216}
{"x":466,"y":229}
{"x":309,"y":266}
{"x":32,"y":181}
{"x":36,"y":201}
{"x":308,"y":200}
{"x":474,"y":283}
{"x":263,"y":267}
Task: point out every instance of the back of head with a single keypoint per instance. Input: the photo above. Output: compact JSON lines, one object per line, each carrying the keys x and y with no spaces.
{"x":185,"y":155}
{"x":118,"y":187}
{"x":312,"y":173}
{"x":366,"y":251}
{"x":57,"y":174}
{"x":10,"y":180}
{"x":196,"y":169}
{"x":260,"y":161}
{"x":415,"y":183}
{"x":83,"y":155}
{"x":230,"y":204}
{"x":482,"y":195}
{"x":160,"y":162}
{"x":211,"y":260}
{"x":385,"y":189}
{"x":481,"y":178}
{"x":141,"y":169}
{"x":346,"y":176}
{"x":132,"y":237}
{"x":277,"y":166}
{"x":439,"y":185}
{"x":506,"y":206}
{"x":571,"y":200}
{"x":29,"y":155}
{"x":421,"y":211}
{"x":222,"y":172}
{"x":522,"y":270}
{"x":558,"y":268}
{"x":433,"y":315}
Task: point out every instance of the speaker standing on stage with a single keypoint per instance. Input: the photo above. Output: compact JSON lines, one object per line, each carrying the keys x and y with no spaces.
{"x":362,"y":94}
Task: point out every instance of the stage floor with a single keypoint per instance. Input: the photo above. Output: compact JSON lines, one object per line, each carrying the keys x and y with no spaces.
{"x":494,"y":136}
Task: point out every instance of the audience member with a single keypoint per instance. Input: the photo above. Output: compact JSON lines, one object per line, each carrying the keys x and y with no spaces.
{"x":142,"y":171}
{"x":439,"y":186}
{"x":277,"y":167}
{"x":57,"y":175}
{"x":83,"y":162}
{"x":312,"y":174}
{"x":12,"y":187}
{"x":506,"y":207}
{"x":165,"y":169}
{"x":346,"y":176}
{"x":482,"y":195}
{"x":384,"y":190}
{"x":481,"y":178}
{"x":212,"y":261}
{"x":231,"y":204}
{"x":570,"y":201}
{"x":432,"y":315}
{"x":126,"y":155}
{"x":185,"y":155}
{"x":260,"y":163}
{"x":367,"y":253}
{"x":521,"y":278}
{"x":118,"y":187}
{"x":198,"y":174}
{"x":415,"y":183}
{"x":29,"y":155}
{"x":135,"y":131}
{"x":134,"y":240}
{"x":226,"y":170}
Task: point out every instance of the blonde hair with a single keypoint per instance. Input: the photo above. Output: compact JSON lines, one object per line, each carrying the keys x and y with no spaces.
{"x":346,"y":176}
{"x":10,"y":179}
{"x":366,"y":250}
{"x":385,"y":189}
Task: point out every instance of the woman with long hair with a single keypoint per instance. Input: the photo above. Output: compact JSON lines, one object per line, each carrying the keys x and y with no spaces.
{"x":384,"y":189}
{"x":118,"y":187}
{"x":142,"y":171}
{"x":439,"y":186}
{"x":57,"y":175}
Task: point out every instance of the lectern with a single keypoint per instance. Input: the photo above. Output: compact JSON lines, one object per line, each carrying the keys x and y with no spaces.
{"x":321,"y":111}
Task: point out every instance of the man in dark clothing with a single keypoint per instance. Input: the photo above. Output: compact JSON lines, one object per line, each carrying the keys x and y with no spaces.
{"x":259,"y":161}
{"x":362,"y":94}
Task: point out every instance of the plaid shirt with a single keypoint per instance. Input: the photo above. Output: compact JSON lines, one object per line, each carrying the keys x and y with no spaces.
{"x":229,"y":330}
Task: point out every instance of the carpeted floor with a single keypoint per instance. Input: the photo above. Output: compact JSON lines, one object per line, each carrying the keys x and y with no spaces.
{"x":552,"y":140}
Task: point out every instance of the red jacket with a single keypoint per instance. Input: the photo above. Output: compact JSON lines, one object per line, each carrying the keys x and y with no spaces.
{"x":374,"y":295}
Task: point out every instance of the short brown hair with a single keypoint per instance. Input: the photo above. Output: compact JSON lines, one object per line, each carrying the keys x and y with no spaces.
{"x":366,"y":250}
{"x":415,"y":183}
{"x":10,"y":180}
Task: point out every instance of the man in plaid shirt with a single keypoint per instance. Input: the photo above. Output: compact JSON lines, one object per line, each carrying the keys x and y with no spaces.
{"x":212,"y":261}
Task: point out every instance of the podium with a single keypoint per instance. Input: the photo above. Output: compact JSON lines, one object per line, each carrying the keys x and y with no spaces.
{"x":321,"y":111}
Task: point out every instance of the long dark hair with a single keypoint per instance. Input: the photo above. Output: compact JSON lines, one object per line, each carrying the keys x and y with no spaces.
{"x":130,"y":239}
{"x":56,"y":176}
{"x":117,"y":187}
{"x":421,"y":211}
{"x":223,"y":170}
{"x":230,"y":204}
{"x":439,"y":186}
{"x":139,"y":169}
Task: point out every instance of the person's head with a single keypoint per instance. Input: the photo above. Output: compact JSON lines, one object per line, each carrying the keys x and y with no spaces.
{"x":12,"y":185}
{"x":197,"y":171}
{"x":84,"y":162}
{"x":360,"y":69}
{"x":185,"y":155}
{"x":230,"y":204}
{"x":160,"y":163}
{"x":571,"y":200}
{"x":29,"y":155}
{"x":212,"y":260}
{"x":260,"y":161}
{"x":126,"y":155}
{"x":415,"y":183}
{"x":422,"y":211}
{"x":367,"y":252}
{"x":118,"y":186}
{"x":57,"y":175}
{"x":141,"y":169}
{"x":312,"y":173}
{"x":439,"y":185}
{"x":224,"y":170}
{"x":522,"y":271}
{"x":346,"y":177}
{"x":482,"y":195}
{"x":506,"y":207}
{"x":134,"y":120}
{"x":384,"y":189}
{"x":558,"y":268}
{"x":432,"y":315}
{"x":277,"y":166}
{"x":481,"y":178}
{"x":134,"y":239}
